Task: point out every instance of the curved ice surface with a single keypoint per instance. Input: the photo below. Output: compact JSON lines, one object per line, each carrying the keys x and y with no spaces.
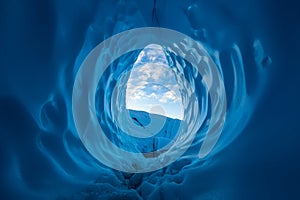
{"x":50,"y":160}
{"x":177,"y":46}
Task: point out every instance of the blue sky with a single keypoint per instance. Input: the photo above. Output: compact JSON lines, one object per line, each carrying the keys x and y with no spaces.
{"x":152,"y":84}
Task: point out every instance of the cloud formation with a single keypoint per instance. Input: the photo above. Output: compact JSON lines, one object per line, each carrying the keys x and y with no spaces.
{"x":153,"y":82}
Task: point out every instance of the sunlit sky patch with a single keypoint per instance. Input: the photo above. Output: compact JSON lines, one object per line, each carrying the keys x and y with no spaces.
{"x":152,"y":83}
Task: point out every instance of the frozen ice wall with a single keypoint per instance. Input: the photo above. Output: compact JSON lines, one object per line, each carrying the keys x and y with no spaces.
{"x":45,"y":44}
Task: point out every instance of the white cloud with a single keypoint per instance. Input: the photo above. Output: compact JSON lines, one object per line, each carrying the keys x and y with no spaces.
{"x":151,"y":82}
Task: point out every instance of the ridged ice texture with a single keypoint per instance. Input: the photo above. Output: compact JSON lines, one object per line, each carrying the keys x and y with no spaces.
{"x":62,"y":164}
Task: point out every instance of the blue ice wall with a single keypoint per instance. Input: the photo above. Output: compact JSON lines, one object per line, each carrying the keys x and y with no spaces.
{"x":254,"y":44}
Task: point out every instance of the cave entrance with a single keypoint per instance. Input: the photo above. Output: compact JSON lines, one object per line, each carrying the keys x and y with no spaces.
{"x":152,"y":88}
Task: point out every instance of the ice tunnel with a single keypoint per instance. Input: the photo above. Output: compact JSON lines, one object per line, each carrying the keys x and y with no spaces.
{"x":132,"y":99}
